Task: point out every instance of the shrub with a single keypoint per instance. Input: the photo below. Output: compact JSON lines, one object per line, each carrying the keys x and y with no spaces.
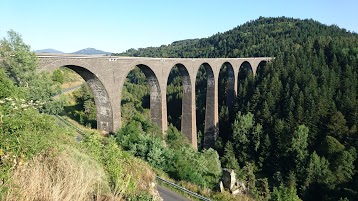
{"x":23,"y":134}
{"x":178,"y":159}
{"x":128,"y":177}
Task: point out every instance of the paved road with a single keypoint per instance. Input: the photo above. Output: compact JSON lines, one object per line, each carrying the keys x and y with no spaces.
{"x":67,"y":90}
{"x":169,"y":195}
{"x":71,"y":89}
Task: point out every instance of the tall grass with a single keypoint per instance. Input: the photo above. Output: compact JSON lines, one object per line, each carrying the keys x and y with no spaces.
{"x":71,"y":175}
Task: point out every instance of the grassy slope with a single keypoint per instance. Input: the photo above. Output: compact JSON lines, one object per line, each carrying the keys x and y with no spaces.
{"x":41,"y":161}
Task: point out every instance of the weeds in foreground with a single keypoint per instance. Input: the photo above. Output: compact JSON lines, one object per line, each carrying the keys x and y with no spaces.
{"x":70,"y":175}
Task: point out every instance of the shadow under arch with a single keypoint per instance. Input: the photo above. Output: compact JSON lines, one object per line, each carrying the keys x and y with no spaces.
{"x":155,"y":95}
{"x":187,"y":127}
{"x":245,"y":69}
{"x":245,"y":72}
{"x":260,"y":70}
{"x":226,"y":100}
{"x":245,"y":81}
{"x":210,"y":127}
{"x":104,"y":115}
{"x":229,"y":82}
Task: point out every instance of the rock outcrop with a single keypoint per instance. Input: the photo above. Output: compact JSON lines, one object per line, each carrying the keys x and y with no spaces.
{"x":229,"y":183}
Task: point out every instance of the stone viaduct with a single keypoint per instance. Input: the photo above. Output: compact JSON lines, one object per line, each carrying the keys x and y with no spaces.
{"x":106,"y":75}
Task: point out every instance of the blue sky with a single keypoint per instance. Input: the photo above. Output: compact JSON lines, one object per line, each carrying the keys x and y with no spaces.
{"x":115,"y":26}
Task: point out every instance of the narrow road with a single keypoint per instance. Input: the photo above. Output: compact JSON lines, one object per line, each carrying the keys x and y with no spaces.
{"x":67,"y":90}
{"x":169,"y":195}
{"x":71,"y":89}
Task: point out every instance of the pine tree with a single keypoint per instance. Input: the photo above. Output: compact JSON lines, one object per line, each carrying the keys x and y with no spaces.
{"x":229,"y":160}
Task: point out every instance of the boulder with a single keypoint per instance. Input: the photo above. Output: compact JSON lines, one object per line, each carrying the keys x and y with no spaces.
{"x":240,"y":185}
{"x":239,"y":188}
{"x":229,"y":178}
{"x":236,"y":191}
{"x":229,"y":183}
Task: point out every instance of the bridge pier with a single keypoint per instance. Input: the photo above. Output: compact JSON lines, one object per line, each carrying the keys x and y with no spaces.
{"x":211,"y":113}
{"x":188,"y":118}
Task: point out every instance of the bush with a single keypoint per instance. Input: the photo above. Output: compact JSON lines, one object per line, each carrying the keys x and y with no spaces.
{"x":283,"y":193}
{"x":57,"y":76}
{"x":127,"y":175}
{"x":178,"y":159}
{"x":7,"y":88}
{"x":54,"y":106}
{"x":23,"y":134}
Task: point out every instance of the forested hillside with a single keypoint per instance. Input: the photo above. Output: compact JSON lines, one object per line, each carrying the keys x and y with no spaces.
{"x":261,"y":37}
{"x":295,"y":124}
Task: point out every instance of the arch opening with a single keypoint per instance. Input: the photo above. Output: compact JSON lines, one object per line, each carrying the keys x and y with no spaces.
{"x":135,"y":96}
{"x":205,"y":107}
{"x":261,"y":70}
{"x":141,"y":93}
{"x":245,"y":82}
{"x":93,"y":99}
{"x":179,"y":102}
{"x":245,"y":71}
{"x":174,"y":96}
{"x":226,"y":85}
{"x":226,"y":98}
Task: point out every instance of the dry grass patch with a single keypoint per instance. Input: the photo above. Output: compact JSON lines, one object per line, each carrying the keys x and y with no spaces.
{"x":68,"y":85}
{"x":70,"y":175}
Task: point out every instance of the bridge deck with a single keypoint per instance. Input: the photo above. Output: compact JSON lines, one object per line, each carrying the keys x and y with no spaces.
{"x":84,"y":56}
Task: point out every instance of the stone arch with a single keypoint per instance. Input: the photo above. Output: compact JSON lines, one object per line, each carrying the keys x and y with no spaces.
{"x":188,"y":110}
{"x":156,"y":106}
{"x":101,"y":98}
{"x":260,"y":67}
{"x":211,"y":116}
{"x":245,"y":69}
{"x":246,"y":64}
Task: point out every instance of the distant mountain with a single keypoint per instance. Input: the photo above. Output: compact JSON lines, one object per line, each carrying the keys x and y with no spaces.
{"x":90,"y":51}
{"x":49,"y":50}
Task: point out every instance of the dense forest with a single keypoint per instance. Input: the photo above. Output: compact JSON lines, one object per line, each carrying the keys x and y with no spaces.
{"x":293,"y":129}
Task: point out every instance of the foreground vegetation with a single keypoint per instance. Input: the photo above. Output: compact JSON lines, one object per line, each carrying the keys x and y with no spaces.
{"x":40,"y":160}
